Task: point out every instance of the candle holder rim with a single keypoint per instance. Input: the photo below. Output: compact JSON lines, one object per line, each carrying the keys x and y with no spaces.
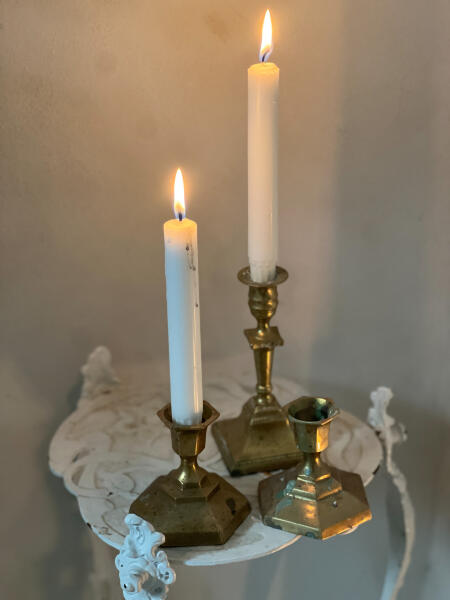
{"x":210,"y":414}
{"x":244,"y":276}
{"x":293,"y":407}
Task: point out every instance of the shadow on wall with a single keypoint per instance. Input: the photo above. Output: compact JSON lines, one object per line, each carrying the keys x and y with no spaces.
{"x":65,"y":571}
{"x":263,"y":578}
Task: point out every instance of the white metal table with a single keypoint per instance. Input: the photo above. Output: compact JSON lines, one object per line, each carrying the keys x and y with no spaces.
{"x":113,"y":445}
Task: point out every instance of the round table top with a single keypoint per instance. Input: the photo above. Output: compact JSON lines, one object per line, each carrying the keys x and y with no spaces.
{"x":113,"y":445}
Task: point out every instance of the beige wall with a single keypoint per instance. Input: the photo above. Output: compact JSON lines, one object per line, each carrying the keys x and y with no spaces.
{"x":100,"y":102}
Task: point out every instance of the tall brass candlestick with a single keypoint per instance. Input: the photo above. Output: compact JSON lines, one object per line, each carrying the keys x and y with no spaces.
{"x":261,"y":438}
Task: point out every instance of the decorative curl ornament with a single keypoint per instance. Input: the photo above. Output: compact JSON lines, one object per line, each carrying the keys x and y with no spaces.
{"x":144,"y":570}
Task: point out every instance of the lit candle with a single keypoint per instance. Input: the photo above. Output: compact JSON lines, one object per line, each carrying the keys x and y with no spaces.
{"x":263,"y":161}
{"x":183,"y":312}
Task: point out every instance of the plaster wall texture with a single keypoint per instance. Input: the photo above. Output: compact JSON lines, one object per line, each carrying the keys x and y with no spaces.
{"x":101,"y":101}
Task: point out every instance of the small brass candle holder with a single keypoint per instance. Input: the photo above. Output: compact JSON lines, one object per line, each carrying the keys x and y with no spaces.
{"x":189,"y":505}
{"x":313,"y":499}
{"x":261,"y":438}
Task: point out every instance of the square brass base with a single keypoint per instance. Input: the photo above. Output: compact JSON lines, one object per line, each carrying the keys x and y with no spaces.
{"x":260,"y":439}
{"x":206,"y":515}
{"x":332,"y":506}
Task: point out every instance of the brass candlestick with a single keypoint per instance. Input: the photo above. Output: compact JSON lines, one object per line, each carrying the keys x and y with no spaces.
{"x":261,"y":438}
{"x":191,"y":506}
{"x":313,"y":498}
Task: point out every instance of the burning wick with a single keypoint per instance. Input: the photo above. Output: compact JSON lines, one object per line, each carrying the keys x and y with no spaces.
{"x":179,"y":207}
{"x":266,"y":38}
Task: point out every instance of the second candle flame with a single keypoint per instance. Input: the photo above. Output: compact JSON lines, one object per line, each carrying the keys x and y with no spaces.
{"x":179,"y":207}
{"x":266,"y":38}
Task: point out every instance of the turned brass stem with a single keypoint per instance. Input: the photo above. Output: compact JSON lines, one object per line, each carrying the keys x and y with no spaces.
{"x":263,"y":304}
{"x":188,"y":473}
{"x":312,"y":465}
{"x":263,"y":364}
{"x":260,"y":438}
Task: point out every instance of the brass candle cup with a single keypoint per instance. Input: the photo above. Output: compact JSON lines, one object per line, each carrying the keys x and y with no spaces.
{"x":261,"y":438}
{"x":190,"y":505}
{"x":313,"y":499}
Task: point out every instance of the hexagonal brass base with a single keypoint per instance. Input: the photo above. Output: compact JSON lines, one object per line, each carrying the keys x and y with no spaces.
{"x":260,"y":439}
{"x":330,"y":506}
{"x":207,"y":515}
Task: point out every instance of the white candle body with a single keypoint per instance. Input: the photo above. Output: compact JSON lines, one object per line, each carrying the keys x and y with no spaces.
{"x":183,"y":317}
{"x":263,"y":170}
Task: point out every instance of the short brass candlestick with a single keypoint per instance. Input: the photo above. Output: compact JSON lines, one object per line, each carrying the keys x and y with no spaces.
{"x":261,"y":438}
{"x":313,"y":498}
{"x":191,"y":506}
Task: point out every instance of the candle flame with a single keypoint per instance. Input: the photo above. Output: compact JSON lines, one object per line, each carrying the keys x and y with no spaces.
{"x":178,"y":196}
{"x":266,"y":38}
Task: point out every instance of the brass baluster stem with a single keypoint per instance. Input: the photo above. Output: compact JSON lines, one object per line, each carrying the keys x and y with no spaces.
{"x":263,"y":363}
{"x":260,"y":439}
{"x":263,"y":303}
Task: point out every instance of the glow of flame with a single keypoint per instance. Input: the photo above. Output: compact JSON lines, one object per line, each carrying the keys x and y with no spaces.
{"x":179,"y":207}
{"x":266,"y":38}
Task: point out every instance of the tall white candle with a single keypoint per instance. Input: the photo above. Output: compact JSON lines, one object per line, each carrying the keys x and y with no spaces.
{"x":263,"y":162}
{"x":183,"y":313}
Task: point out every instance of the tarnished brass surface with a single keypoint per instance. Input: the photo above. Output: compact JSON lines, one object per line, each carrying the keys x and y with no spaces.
{"x":313,"y":499}
{"x":261,"y":438}
{"x":191,"y":506}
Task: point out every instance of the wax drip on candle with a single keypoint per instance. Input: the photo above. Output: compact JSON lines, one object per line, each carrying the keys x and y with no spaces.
{"x":266,"y":38}
{"x":179,"y":207}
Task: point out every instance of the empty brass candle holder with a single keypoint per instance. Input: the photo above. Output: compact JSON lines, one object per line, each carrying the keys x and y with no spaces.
{"x":190,"y":505}
{"x":313,"y":499}
{"x":261,"y":438}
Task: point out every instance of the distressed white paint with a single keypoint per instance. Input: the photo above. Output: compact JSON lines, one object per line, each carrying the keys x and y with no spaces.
{"x":144,"y":570}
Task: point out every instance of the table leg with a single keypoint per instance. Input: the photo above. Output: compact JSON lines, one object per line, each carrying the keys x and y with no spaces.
{"x":399,"y":506}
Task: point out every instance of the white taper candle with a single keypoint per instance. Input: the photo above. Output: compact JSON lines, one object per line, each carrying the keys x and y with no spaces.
{"x":183,"y":313}
{"x":263,"y":162}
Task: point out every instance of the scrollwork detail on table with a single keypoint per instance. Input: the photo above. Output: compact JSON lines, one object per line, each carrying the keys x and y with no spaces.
{"x":144,"y":570}
{"x":112,"y":446}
